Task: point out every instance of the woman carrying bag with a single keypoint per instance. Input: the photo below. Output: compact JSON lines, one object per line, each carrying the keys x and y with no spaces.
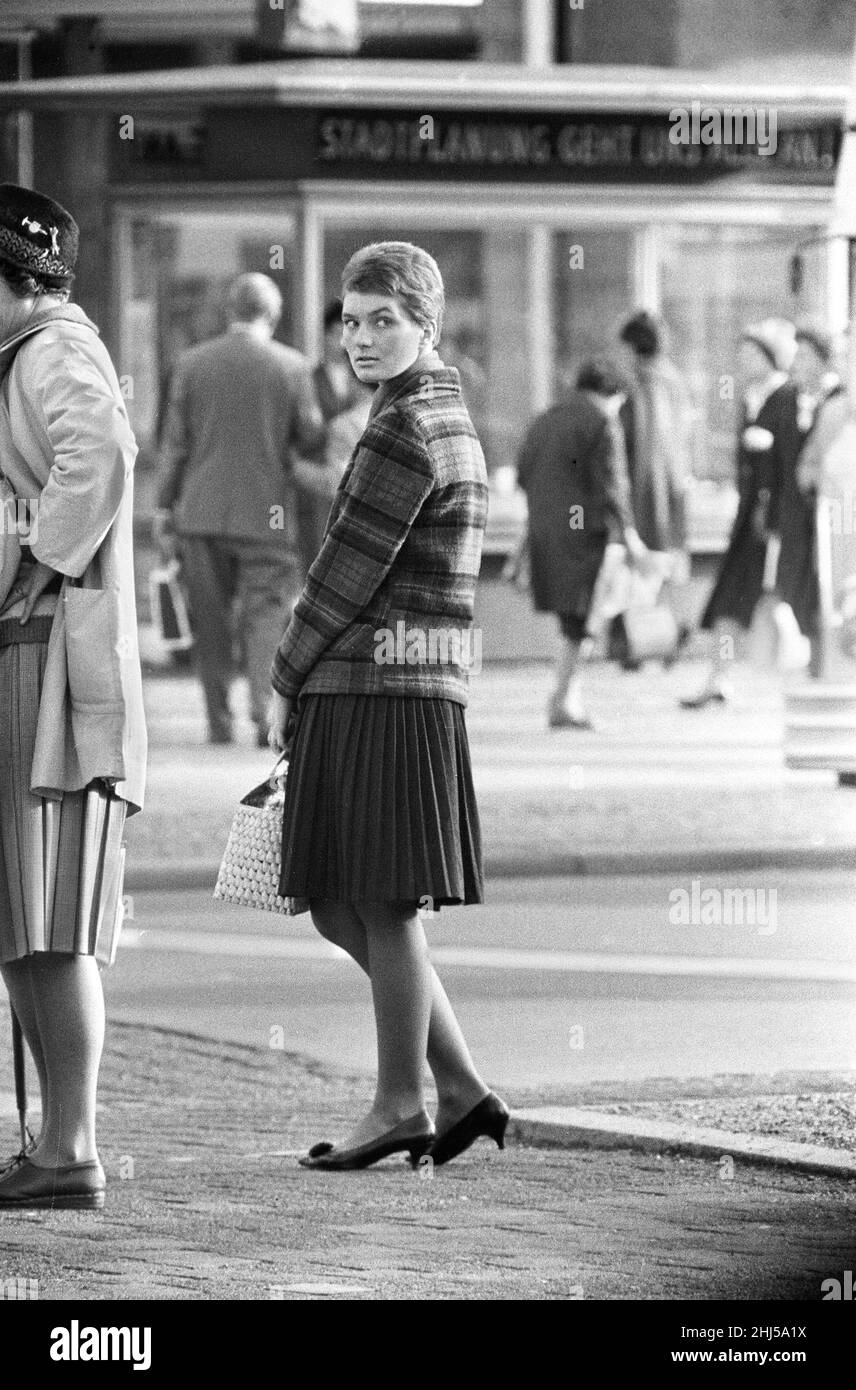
{"x":380,"y":818}
{"x":72,"y":731}
{"x":765,"y":438}
{"x":573,"y":470}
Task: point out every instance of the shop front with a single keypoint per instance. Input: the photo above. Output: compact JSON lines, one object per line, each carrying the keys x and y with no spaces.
{"x":556,"y":206}
{"x":551,"y":226}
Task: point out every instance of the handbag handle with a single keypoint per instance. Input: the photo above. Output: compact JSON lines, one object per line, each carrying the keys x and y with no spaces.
{"x":279,"y":774}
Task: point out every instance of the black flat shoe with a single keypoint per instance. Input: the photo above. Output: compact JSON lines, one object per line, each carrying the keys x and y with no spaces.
{"x":489,"y":1118}
{"x":705,"y":697}
{"x":401,"y":1139}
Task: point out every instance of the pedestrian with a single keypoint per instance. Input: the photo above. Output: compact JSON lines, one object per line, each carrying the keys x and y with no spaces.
{"x":573,"y":470}
{"x":658,"y":424}
{"x":337,"y":391}
{"x":765,"y":433}
{"x":792,"y":510}
{"x":241,"y":406}
{"x":380,"y":816}
{"x":320,"y":479}
{"x":72,"y":729}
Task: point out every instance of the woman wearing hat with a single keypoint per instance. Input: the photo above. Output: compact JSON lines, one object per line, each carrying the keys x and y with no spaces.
{"x":820,"y":406}
{"x":371,"y":681}
{"x":766,"y":430}
{"x":72,"y":732}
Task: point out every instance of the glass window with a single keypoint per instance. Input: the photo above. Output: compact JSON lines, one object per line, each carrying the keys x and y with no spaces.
{"x":179,"y":268}
{"x":593,"y":295}
{"x":776,"y":38}
{"x":715,"y":280}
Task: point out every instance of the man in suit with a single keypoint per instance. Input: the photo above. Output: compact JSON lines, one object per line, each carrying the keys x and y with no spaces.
{"x":240,"y":406}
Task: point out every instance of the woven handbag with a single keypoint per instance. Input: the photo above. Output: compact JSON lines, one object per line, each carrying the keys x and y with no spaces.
{"x":249,"y":873}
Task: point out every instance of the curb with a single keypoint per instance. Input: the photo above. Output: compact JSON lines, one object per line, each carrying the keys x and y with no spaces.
{"x":562,"y":1128}
{"x":165,"y":875}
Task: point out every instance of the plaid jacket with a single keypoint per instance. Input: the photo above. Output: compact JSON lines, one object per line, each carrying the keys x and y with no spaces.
{"x":387,"y":605}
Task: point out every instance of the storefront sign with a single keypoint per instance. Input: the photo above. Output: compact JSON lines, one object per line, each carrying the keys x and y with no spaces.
{"x":225,"y":144}
{"x":473,"y":146}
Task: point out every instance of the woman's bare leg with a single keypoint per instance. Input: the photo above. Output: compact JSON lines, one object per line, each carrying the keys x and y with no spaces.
{"x":459,"y":1085}
{"x":69,"y":1004}
{"x":567,"y":693}
{"x":16,"y":978}
{"x":722,"y":655}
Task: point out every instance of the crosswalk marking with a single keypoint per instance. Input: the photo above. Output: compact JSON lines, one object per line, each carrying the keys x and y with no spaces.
{"x":501,"y":958}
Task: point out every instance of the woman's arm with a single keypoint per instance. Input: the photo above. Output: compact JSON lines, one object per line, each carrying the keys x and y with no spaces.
{"x":93,"y":455}
{"x":390,"y":478}
{"x":611,"y":483}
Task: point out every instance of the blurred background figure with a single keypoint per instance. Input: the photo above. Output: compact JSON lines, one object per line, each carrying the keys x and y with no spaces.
{"x":767,"y":423}
{"x":240,"y":407}
{"x":658,"y":419}
{"x":319,"y":478}
{"x":820,"y":396}
{"x":337,"y":390}
{"x":573,"y":469}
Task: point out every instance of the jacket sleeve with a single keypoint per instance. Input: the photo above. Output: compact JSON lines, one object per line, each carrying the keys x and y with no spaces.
{"x":527,"y":457}
{"x":389,"y":479}
{"x":93,"y":450}
{"x":610,"y":479}
{"x":175,"y":442}
{"x":774,"y":464}
{"x":308,"y":432}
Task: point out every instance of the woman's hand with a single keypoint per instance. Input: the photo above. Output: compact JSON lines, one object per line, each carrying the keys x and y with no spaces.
{"x":282,"y":718}
{"x":38,"y":579}
{"x":759,"y":521}
{"x":637,"y":550}
{"x":808,"y":476}
{"x":163,"y":535}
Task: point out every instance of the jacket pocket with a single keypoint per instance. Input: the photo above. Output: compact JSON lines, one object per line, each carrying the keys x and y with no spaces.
{"x":93,"y":645}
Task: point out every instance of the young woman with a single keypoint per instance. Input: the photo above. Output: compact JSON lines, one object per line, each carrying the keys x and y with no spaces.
{"x":72,"y":730}
{"x":371,"y":682}
{"x":767,"y":424}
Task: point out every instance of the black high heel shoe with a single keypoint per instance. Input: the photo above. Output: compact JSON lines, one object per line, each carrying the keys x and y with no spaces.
{"x":396,"y":1140}
{"x":489,"y":1118}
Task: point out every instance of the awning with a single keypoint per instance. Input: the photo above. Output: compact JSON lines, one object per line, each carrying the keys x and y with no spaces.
{"x":428,"y":87}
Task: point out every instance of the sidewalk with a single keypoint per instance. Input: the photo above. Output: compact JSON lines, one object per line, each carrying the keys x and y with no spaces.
{"x":206,"y":1201}
{"x":653,"y":789}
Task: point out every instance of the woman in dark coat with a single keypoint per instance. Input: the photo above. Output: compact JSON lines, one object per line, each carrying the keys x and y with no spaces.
{"x":792,"y":507}
{"x":573,"y":470}
{"x":371,"y":682}
{"x":766,"y":439}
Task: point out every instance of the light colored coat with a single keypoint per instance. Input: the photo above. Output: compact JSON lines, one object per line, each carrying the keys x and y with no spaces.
{"x":65,"y":440}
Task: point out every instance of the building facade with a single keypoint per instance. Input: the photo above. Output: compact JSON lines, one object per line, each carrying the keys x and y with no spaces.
{"x":538,"y":164}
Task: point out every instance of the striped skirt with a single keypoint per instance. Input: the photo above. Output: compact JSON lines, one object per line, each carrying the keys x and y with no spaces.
{"x":61,"y":862}
{"x":379,"y":803}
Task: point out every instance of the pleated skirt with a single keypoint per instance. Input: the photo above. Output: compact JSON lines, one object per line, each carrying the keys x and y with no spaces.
{"x":61,"y":862}
{"x":380,"y":804}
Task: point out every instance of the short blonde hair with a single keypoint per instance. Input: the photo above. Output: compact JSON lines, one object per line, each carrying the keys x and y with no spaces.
{"x":399,"y":268}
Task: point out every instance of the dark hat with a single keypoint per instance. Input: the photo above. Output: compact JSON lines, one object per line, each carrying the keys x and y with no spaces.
{"x":642,"y":332}
{"x":36,"y":234}
{"x":603,"y":376}
{"x":817,"y":338}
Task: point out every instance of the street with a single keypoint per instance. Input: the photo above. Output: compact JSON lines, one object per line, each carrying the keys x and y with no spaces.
{"x":557,"y":981}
